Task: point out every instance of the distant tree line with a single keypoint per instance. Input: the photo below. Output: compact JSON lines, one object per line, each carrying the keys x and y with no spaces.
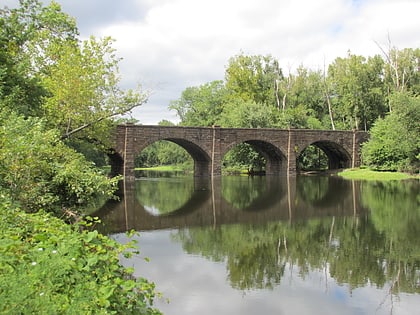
{"x":379,"y":94}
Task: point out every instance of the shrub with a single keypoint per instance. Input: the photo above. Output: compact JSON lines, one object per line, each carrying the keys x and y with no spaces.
{"x":394,"y":144}
{"x":40,"y":171}
{"x":49,"y":267}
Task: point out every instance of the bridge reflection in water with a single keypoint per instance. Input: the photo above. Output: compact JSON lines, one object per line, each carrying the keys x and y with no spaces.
{"x":284,"y":199}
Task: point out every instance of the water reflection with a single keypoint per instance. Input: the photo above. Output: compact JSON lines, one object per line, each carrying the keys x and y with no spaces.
{"x":276,"y":234}
{"x":157,"y":203}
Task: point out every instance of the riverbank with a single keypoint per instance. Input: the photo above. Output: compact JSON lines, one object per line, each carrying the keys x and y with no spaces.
{"x":368,"y":174}
{"x":166,"y":168}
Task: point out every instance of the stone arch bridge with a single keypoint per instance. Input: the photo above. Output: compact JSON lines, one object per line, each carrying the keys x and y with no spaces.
{"x":208,"y":145}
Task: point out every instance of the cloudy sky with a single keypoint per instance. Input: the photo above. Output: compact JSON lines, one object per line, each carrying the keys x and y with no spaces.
{"x":169,"y":45}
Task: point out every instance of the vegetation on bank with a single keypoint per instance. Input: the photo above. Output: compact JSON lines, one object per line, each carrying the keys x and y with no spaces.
{"x":166,"y":168}
{"x":368,"y":174}
{"x":58,"y":97}
{"x":50,"y":267}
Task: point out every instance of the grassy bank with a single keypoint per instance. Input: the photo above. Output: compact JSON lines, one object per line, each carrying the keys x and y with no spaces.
{"x":167,"y":168}
{"x":367,"y":174}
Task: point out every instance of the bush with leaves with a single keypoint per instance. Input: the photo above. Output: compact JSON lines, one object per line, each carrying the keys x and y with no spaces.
{"x":395,"y":143}
{"x":39,"y":171}
{"x":49,"y":267}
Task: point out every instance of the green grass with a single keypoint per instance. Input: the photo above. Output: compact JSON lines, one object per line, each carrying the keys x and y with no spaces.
{"x":367,"y":174}
{"x":162,"y":168}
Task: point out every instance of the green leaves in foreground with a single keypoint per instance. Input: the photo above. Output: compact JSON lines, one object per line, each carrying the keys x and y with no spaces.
{"x":49,"y":267}
{"x":39,"y":171}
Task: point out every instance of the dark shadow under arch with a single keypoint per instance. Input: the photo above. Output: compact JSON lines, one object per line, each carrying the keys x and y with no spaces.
{"x":116,"y":162}
{"x":338,"y":157}
{"x":276,"y":161}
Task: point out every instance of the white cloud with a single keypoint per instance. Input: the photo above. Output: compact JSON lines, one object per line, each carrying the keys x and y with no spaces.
{"x":169,"y":45}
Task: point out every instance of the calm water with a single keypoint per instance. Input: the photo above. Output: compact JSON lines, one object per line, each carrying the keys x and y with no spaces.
{"x":268,"y":245}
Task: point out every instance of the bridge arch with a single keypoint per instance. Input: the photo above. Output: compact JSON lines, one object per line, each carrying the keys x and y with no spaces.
{"x":199,"y":155}
{"x":276,"y":160}
{"x":338,"y":156}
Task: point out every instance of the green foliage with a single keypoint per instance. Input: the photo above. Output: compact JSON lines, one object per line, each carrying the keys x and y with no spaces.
{"x":253,"y":78}
{"x":358,"y":89}
{"x":49,"y":267}
{"x":247,"y":114}
{"x":162,"y":153}
{"x":394,"y":143}
{"x":201,"y":106}
{"x":312,"y":158}
{"x":27,"y":35}
{"x":40,"y":171}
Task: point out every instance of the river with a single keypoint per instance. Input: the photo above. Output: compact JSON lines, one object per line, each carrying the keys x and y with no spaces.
{"x":273,"y":245}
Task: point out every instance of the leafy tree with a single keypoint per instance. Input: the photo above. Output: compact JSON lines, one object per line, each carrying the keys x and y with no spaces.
{"x":358,"y":90}
{"x":305,"y":89}
{"x":201,"y":106}
{"x":27,"y":34}
{"x":247,"y":114}
{"x":401,"y":70}
{"x":253,"y":78}
{"x":44,"y":68}
{"x":394,"y":142}
{"x":84,"y":92}
{"x":73,"y":84}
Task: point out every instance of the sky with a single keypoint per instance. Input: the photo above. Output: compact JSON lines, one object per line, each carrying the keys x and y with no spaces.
{"x":169,"y":45}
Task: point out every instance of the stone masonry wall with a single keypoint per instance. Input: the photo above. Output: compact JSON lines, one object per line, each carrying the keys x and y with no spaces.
{"x":208,"y":145}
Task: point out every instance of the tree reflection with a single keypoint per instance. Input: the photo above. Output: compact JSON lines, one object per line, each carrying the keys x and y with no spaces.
{"x":379,"y":248}
{"x":242,"y":191}
{"x":161,"y":196}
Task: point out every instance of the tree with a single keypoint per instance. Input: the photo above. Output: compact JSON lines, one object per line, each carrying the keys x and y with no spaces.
{"x":357,"y":90}
{"x":51,"y":74}
{"x":401,"y":69}
{"x":201,"y":106}
{"x":26,"y":35}
{"x":246,"y":114}
{"x":84,"y":92}
{"x":394,"y":143}
{"x":253,"y":78}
